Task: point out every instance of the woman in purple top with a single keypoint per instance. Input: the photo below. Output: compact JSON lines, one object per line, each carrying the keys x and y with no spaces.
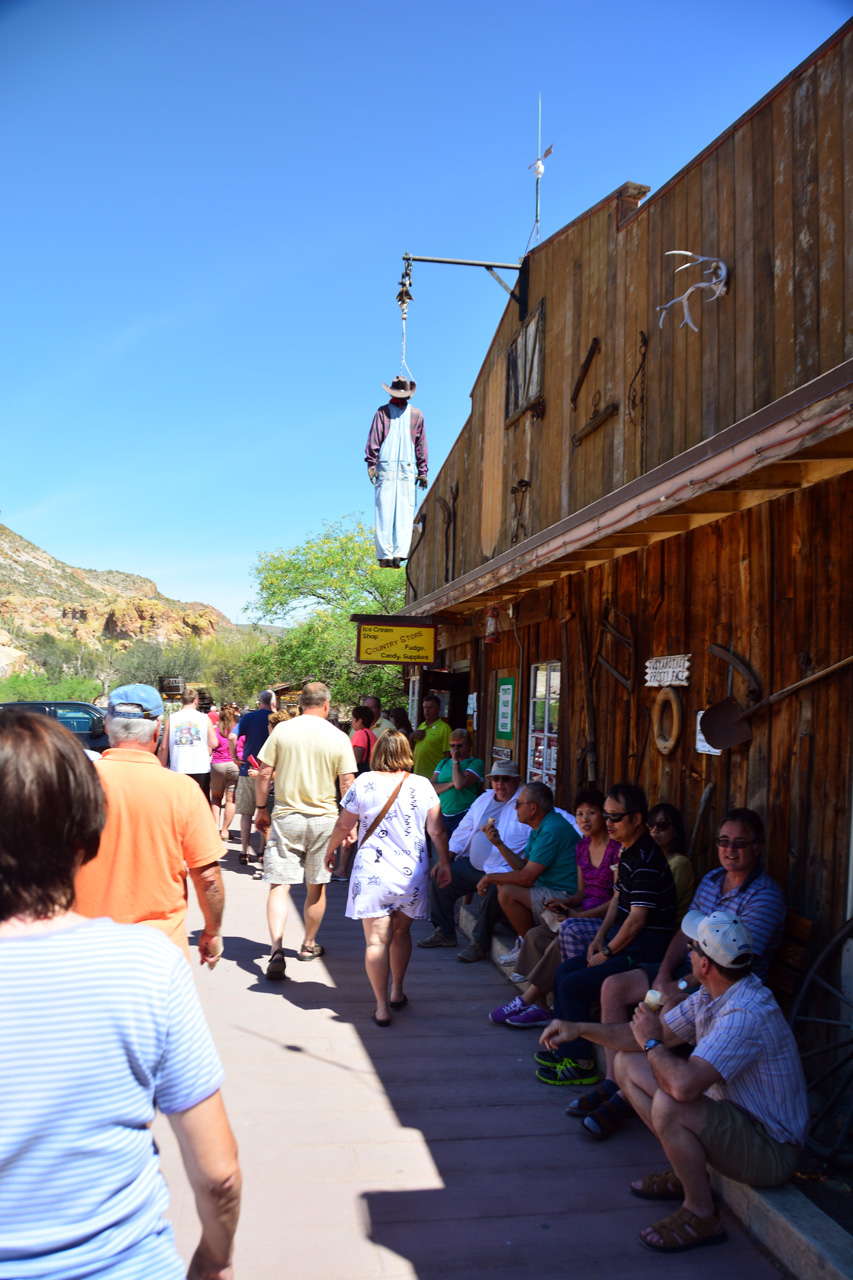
{"x":597,"y":857}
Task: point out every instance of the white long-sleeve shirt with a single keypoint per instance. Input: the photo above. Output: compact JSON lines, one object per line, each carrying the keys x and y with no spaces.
{"x":469,"y":842}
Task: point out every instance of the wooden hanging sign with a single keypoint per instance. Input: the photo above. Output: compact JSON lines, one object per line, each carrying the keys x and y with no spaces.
{"x":392,"y":640}
{"x":671,"y":670}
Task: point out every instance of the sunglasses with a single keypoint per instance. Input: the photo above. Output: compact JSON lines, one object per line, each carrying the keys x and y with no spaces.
{"x":724,"y":842}
{"x":615,"y":817}
{"x":661,"y":825}
{"x":520,"y":803}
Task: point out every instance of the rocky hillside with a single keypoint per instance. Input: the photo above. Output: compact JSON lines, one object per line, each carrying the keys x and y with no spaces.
{"x":40,"y":593}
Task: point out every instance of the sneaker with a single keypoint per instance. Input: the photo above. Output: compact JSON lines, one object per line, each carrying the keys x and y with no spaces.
{"x":532,"y":1015}
{"x":437,"y":939}
{"x":511,"y":956}
{"x":471,"y":953}
{"x":505,"y":1010}
{"x":518,"y":977}
{"x":569,"y":1073}
{"x":551,"y":1058}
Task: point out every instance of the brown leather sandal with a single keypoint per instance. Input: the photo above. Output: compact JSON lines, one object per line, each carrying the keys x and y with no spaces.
{"x":682,"y":1230}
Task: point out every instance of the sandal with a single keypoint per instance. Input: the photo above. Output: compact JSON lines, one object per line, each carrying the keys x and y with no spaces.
{"x":244,"y":859}
{"x":603,"y":1122}
{"x":682,"y":1230}
{"x":276,"y":966}
{"x":659,"y":1186}
{"x":589,"y":1102}
{"x":311,"y":951}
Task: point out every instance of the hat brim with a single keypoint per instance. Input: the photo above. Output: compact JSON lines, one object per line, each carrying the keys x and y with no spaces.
{"x":399,"y":395}
{"x":690,"y":925}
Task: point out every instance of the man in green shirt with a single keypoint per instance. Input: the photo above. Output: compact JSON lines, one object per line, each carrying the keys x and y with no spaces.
{"x":458,"y":781}
{"x":549,"y":868}
{"x":431,"y":740}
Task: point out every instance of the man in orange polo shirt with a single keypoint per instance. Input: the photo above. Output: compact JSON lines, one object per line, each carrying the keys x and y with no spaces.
{"x":158,"y":826}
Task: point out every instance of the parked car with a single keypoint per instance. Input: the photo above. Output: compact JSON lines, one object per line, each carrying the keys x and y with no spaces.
{"x":83,"y":719}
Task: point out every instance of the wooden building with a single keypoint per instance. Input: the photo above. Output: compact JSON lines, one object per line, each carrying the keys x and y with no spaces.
{"x":693,"y":489}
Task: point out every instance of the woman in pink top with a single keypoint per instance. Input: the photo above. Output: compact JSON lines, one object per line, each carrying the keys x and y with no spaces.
{"x":363,"y":739}
{"x":223,"y":771}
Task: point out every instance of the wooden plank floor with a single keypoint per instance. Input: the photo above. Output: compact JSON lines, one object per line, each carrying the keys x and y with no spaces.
{"x":428,"y":1149}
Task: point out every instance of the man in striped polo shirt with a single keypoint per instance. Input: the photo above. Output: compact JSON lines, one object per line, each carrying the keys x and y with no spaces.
{"x":637,"y":928}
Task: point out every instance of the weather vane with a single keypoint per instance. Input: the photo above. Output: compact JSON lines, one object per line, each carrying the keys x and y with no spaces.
{"x":538,"y":168}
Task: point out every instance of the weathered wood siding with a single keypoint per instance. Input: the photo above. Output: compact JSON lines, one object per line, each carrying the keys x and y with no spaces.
{"x":773,"y":198}
{"x":770,"y":584}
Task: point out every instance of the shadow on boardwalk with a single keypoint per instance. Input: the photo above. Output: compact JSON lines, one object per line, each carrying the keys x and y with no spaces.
{"x":428,"y":1149}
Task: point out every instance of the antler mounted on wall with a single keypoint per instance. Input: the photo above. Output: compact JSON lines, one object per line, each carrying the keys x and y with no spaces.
{"x":718,"y":283}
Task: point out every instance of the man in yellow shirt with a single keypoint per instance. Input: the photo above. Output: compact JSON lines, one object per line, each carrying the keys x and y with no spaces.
{"x":431,"y":740}
{"x":306,"y":756}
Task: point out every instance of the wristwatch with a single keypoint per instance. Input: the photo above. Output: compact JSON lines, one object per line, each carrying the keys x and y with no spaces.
{"x":651,"y":1044}
{"x":606,"y":952}
{"x":683,"y":984}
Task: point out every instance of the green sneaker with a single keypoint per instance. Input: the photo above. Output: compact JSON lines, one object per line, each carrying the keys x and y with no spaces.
{"x":569,"y":1073}
{"x":550,"y":1058}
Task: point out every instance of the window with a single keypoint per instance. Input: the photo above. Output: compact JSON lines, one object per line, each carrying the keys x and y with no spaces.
{"x":544,"y":723}
{"x":75,"y":719}
{"x":524,"y":359}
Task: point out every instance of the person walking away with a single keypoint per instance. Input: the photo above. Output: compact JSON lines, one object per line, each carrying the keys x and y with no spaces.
{"x":189,"y":742}
{"x":394,"y":809}
{"x":159,"y":828}
{"x":253,"y":727}
{"x":458,"y":780}
{"x":101,"y":1027}
{"x":224,"y":772}
{"x":304,"y":757}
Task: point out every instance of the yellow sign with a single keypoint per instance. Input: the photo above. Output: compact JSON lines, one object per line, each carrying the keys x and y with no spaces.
{"x":395,"y":643}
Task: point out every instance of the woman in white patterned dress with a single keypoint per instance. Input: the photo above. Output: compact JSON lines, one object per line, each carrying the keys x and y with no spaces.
{"x":388,"y":882}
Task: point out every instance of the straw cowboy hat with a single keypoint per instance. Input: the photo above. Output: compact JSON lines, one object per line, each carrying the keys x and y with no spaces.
{"x":400,"y":388}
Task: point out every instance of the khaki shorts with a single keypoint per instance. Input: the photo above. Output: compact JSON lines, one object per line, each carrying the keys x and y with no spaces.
{"x":296,"y":848}
{"x":539,"y":895}
{"x":223,"y":776}
{"x":741,"y":1148}
{"x":246,"y":796}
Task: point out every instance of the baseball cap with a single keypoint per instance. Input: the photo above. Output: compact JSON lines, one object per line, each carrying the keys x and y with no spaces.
{"x":504,"y":769}
{"x":723,"y":937}
{"x":135,"y":702}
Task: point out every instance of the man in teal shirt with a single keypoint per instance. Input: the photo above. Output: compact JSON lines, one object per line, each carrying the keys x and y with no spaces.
{"x":549,"y":868}
{"x":431,"y":740}
{"x":458,"y":781}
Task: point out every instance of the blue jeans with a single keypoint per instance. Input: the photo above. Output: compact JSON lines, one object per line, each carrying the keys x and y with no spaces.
{"x":576,"y":988}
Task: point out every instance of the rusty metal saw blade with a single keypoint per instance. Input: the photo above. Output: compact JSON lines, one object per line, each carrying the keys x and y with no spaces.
{"x":725,"y":725}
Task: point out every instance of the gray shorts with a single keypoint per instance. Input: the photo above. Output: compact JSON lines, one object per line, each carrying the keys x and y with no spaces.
{"x":296,"y":848}
{"x":740,"y":1147}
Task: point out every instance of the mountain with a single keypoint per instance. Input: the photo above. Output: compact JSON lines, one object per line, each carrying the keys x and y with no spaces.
{"x":40,"y":593}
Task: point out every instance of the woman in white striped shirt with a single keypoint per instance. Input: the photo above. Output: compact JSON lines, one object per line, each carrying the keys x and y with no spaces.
{"x":101,"y":1026}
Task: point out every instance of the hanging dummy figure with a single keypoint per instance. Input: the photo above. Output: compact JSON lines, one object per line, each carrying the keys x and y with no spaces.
{"x":396,"y":457}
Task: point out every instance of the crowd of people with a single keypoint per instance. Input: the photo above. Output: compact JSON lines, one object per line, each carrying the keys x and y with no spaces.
{"x":602,"y":900}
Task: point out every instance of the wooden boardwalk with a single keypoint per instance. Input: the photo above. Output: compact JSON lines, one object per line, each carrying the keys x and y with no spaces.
{"x":428,"y":1149}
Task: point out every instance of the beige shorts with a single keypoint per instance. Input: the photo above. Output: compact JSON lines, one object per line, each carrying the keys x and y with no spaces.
{"x":223,"y":776}
{"x":246,"y":796}
{"x":739,"y":1147}
{"x":539,"y":895}
{"x":296,"y":848}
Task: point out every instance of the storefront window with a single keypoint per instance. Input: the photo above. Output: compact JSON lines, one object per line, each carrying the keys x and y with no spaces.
{"x":544,"y":723}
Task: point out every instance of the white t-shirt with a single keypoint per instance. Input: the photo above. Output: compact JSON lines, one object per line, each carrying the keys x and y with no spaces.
{"x":188,"y":749}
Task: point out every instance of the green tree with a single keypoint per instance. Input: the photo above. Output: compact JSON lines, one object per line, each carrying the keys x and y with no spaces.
{"x":35,"y":686}
{"x":147,"y":660}
{"x":316,"y":586}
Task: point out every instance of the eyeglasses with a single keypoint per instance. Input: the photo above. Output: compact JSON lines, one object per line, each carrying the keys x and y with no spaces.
{"x":520,"y":803}
{"x":725,"y":843}
{"x":659,"y":826}
{"x":614,"y":817}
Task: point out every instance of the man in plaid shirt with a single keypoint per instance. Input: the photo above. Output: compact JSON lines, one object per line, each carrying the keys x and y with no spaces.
{"x":737,"y":1103}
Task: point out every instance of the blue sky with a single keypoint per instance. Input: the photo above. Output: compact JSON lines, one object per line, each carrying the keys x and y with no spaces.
{"x":205,"y":207}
